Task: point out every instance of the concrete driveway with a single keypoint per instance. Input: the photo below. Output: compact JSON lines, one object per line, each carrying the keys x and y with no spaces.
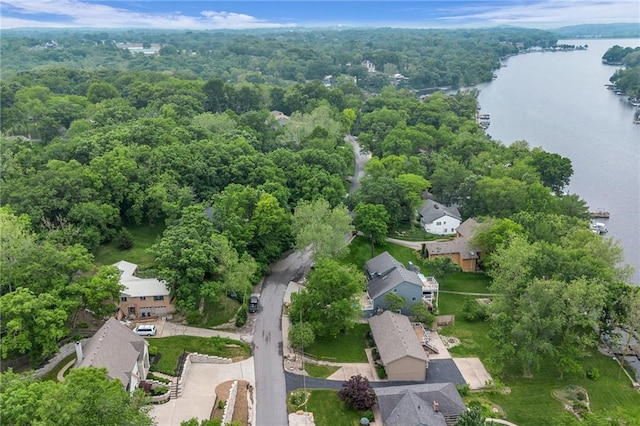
{"x":168,"y":328}
{"x":198,"y":395}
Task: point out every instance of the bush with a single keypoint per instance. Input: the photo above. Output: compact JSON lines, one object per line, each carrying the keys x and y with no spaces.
{"x":368,"y":415}
{"x":152,"y":376}
{"x":382,"y":373}
{"x":242,"y":316}
{"x":298,"y":398}
{"x":474,"y":311}
{"x":375,"y":354}
{"x":463,"y":390}
{"x":125,"y":239}
{"x":357,"y":393}
{"x":153,"y":350}
{"x":593,"y":373}
{"x":193,"y":317}
{"x":221,"y":404}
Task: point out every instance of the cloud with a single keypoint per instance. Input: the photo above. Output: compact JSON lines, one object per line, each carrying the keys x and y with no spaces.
{"x":74,"y":13}
{"x":548,"y":13}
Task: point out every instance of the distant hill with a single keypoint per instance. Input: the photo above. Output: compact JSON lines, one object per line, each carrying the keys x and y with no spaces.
{"x":631,"y":30}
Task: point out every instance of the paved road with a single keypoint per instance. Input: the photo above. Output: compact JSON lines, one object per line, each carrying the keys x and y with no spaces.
{"x":271,"y":407}
{"x":361,"y":160}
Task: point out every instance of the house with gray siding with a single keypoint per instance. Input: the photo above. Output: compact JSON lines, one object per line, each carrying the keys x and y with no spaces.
{"x":436,"y":404}
{"x":386,"y":275}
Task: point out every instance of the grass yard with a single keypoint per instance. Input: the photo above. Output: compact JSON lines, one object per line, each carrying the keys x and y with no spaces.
{"x":469,"y":282}
{"x":530,"y":401}
{"x":170,"y":349}
{"x":360,"y":252}
{"x":328,"y":410}
{"x":53,"y":374}
{"x":348,"y":347}
{"x":218,"y":311}
{"x":143,"y":237}
{"x":413,"y":232}
{"x":320,"y":371}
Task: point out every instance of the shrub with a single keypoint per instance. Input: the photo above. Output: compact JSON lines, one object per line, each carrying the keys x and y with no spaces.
{"x":382,"y":373}
{"x":241,"y":316}
{"x":593,"y":373}
{"x":159,"y":390}
{"x":368,"y":415}
{"x":152,"y":376}
{"x":125,"y":239}
{"x":474,"y":311}
{"x":357,"y":393}
{"x":375,"y":354}
{"x":298,"y":398}
{"x":193,"y":317}
{"x":221,"y":404}
{"x":153,"y":350}
{"x":463,"y":390}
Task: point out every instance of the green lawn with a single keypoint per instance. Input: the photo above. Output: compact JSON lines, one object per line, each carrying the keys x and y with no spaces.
{"x":530,"y":401}
{"x":170,"y":349}
{"x":328,"y":410}
{"x":143,"y":237}
{"x":360,"y":252}
{"x":320,"y":371}
{"x":413,"y":232}
{"x":218,"y":311}
{"x":53,"y":374}
{"x":348,"y":347}
{"x":469,"y":282}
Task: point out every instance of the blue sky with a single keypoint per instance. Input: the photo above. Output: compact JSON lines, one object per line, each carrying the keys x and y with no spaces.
{"x":281,"y":14}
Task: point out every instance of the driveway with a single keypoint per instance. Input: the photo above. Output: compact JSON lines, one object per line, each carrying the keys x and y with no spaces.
{"x":361,"y":161}
{"x":198,"y":395}
{"x":168,"y":328}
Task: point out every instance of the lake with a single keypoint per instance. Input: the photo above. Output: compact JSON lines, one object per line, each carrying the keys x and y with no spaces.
{"x":558,"y":101}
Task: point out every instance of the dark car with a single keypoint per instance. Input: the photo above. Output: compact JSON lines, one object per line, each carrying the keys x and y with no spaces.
{"x":253,"y":304}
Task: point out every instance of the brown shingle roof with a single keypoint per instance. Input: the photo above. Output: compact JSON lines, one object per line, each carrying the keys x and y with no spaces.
{"x":395,"y":337}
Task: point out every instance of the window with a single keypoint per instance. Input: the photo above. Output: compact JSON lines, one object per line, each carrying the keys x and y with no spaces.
{"x":413,"y":299}
{"x":123,"y":299}
{"x":143,"y":297}
{"x":158,"y":298}
{"x":395,"y":290}
{"x":132,"y":310}
{"x":438,"y":223}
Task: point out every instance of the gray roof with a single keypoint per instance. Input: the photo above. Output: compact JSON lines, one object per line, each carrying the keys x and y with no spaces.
{"x":386,"y":273}
{"x":395,"y":337}
{"x":381,"y":264}
{"x":116,"y":348}
{"x":467,"y":228}
{"x":412,"y":405}
{"x":432,"y":210}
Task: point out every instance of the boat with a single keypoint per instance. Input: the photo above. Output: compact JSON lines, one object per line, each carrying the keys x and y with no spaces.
{"x":600,"y":214}
{"x":598,"y":228}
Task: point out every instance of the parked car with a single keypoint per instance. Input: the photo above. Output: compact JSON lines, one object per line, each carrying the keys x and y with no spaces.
{"x":145,"y":330}
{"x":253,"y":304}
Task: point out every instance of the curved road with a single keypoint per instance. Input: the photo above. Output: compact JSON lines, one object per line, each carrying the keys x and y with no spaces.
{"x":271,"y":390}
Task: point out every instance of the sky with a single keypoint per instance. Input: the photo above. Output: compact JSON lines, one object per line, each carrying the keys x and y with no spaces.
{"x":203,"y":15}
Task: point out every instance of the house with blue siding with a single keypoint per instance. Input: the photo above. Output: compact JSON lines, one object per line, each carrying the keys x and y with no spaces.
{"x":386,"y":275}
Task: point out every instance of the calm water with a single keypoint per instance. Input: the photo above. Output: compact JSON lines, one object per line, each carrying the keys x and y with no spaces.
{"x":557,"y":100}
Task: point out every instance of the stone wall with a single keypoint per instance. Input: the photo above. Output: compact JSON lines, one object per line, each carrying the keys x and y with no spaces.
{"x":65,"y":351}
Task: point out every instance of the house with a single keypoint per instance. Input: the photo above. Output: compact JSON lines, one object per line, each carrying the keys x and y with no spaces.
{"x":433,"y":404}
{"x":386,"y":275}
{"x":460,"y":250}
{"x":115,"y":347}
{"x":438,"y":219}
{"x":280,"y":117}
{"x":142,"y":297}
{"x":371,"y":67}
{"x":400,"y":350}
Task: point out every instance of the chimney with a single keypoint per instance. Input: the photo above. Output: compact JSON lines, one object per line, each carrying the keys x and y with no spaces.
{"x":436,"y":406}
{"x":79,"y":355}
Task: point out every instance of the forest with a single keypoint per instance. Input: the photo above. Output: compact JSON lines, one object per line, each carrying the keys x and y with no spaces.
{"x":226,"y":147}
{"x":626,"y":79}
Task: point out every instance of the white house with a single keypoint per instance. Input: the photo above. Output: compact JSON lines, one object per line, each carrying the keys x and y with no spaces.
{"x":438,"y":219}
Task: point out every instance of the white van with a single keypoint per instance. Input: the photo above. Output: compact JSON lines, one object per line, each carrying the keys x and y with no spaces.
{"x":145,"y":330}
